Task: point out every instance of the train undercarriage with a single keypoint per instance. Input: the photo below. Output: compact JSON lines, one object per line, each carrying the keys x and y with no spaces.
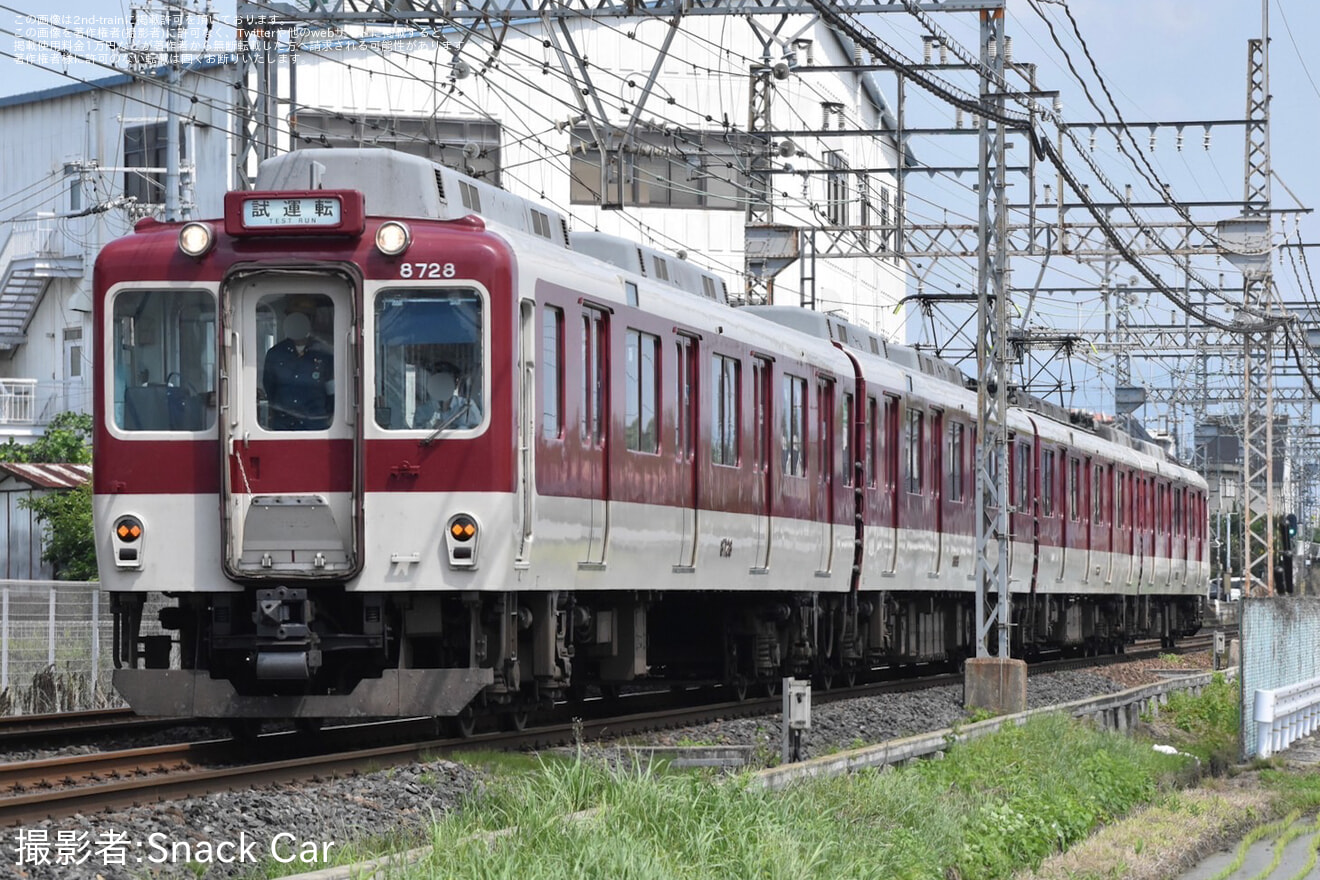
{"x":317,"y":651}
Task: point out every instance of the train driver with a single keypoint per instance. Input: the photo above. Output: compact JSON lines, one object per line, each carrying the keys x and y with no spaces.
{"x":448,"y":404}
{"x":298,"y":379}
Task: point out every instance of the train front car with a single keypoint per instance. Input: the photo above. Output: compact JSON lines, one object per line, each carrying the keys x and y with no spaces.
{"x":263,"y":382}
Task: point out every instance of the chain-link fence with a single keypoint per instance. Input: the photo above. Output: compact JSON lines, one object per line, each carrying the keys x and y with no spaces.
{"x":56,"y":646}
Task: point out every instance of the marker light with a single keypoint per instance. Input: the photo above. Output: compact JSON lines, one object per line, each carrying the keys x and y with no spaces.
{"x":393,"y":238}
{"x":128,"y":529}
{"x":463,"y":529}
{"x":195,"y":239}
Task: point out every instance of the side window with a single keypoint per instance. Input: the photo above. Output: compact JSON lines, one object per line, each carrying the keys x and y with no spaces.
{"x":1047,"y":482}
{"x":761,"y":389}
{"x":793,"y":427}
{"x":429,"y":370}
{"x":872,"y":445}
{"x":849,"y":471}
{"x":552,"y":373}
{"x":825,"y":427}
{"x":685,"y":377}
{"x":1074,"y":489}
{"x":913,"y":446}
{"x":164,"y":360}
{"x":725,"y":410}
{"x":594,"y":335}
{"x":957,"y":436}
{"x":642,"y":376}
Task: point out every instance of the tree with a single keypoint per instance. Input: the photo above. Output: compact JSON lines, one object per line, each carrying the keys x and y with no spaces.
{"x":66,"y":516}
{"x":68,"y":440}
{"x":69,"y":542}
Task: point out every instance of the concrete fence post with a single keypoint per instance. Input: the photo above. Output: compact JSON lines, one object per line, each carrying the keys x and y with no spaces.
{"x":50,"y":648}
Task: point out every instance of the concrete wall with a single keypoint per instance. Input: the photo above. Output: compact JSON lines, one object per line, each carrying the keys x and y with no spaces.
{"x":1280,"y":646}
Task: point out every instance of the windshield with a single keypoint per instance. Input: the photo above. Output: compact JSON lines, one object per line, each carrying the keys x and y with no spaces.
{"x":429,"y":365}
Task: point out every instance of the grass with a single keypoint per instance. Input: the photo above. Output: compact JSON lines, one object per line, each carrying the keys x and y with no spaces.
{"x":990,"y":807}
{"x":1206,"y":725}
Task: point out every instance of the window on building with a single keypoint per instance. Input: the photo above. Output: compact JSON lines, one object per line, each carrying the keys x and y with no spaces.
{"x":793,"y":427}
{"x":725,"y":409}
{"x":552,"y":373}
{"x":680,"y":169}
{"x":144,"y":148}
{"x":468,"y":145}
{"x":836,"y":189}
{"x":642,"y":376}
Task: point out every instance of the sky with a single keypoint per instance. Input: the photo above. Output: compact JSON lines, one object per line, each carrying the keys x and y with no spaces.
{"x":1162,"y":60}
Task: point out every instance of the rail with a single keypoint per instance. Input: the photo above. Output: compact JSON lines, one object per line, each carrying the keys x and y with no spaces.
{"x":1285,"y":715}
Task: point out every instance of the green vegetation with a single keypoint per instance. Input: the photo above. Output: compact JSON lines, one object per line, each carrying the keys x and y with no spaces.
{"x":1206,"y":725}
{"x":991,"y":806}
{"x":65,"y":516}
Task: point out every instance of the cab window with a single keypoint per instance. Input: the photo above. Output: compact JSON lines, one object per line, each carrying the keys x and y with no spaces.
{"x":429,"y":359}
{"x":164,"y":360}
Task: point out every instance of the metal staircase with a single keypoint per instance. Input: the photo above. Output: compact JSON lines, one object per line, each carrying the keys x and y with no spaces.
{"x":30,"y":258}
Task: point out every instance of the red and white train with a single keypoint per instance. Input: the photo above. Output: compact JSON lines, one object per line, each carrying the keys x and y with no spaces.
{"x":386,"y":440}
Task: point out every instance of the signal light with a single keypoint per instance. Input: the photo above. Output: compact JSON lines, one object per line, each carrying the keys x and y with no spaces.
{"x":463,"y":529}
{"x":128,"y":529}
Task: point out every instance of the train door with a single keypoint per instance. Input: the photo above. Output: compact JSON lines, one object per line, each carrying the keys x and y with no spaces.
{"x":685,"y":445}
{"x":594,"y":430}
{"x":763,"y":425}
{"x":825,"y":474}
{"x":289,"y":425}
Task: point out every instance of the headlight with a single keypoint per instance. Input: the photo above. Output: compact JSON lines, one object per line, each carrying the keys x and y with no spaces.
{"x":393,"y":238}
{"x":195,"y":239}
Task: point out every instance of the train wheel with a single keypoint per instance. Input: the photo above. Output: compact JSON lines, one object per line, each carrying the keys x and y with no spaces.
{"x":739,"y":687}
{"x":772,"y":687}
{"x":465,"y":722}
{"x":826,"y":679}
{"x":850,"y":676}
{"x":516,"y":720}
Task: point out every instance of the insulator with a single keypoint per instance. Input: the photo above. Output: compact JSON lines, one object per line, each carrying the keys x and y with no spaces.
{"x":1178,"y":142}
{"x":1008,"y":49}
{"x":1152,"y":141}
{"x":992,"y":49}
{"x":957,"y":117}
{"x":1205,"y":142}
{"x":925,"y":50}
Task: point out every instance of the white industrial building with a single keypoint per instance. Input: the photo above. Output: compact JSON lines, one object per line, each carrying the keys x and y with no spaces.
{"x":84,"y":162}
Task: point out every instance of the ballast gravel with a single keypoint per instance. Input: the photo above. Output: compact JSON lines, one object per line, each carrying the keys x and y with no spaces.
{"x":226,"y":835}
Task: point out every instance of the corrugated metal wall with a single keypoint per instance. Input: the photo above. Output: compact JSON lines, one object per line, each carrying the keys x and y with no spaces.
{"x":20,"y":539}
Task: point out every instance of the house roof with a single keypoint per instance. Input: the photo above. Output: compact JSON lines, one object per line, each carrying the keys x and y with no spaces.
{"x":48,"y":476}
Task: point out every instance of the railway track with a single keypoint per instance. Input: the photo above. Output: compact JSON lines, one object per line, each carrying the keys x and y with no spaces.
{"x":58,"y":787}
{"x":18,"y":731}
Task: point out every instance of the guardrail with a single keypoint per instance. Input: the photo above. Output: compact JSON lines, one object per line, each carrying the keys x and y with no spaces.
{"x":1285,"y":715}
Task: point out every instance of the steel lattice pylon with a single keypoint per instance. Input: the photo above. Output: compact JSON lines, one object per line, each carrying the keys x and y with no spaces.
{"x":992,"y":368}
{"x":1258,"y":349}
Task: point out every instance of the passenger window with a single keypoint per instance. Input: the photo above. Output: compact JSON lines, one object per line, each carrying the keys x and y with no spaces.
{"x":793,"y":427}
{"x":641,"y":417}
{"x":164,"y":360}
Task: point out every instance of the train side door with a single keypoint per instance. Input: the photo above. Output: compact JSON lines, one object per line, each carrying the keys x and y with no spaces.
{"x":290,"y":430}
{"x":686,"y":408}
{"x":763,"y":425}
{"x":594,"y":430}
{"x":937,"y":489}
